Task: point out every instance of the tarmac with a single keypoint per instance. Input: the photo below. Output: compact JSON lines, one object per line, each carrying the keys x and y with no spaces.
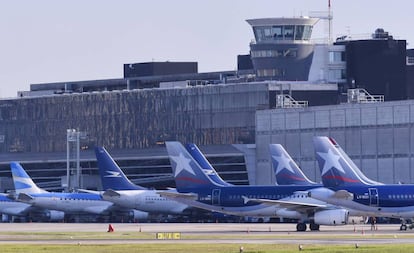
{"x":240,"y":233}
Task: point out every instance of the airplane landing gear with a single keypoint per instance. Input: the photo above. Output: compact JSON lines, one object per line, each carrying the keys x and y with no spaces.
{"x":300,"y":227}
{"x":314,"y":227}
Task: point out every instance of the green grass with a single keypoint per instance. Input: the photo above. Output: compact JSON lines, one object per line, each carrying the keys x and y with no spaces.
{"x":144,"y":235}
{"x":201,"y":248}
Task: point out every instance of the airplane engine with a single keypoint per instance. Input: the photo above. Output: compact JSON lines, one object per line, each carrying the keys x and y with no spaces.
{"x":286,"y":213}
{"x":55,"y":215}
{"x":138,"y":215}
{"x":50,"y":215}
{"x":331,"y":217}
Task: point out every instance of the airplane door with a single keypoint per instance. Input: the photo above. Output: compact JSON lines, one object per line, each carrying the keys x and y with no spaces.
{"x":373,"y":197}
{"x":215,"y":197}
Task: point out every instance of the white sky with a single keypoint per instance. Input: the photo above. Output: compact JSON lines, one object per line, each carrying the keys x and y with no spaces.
{"x":55,"y":41}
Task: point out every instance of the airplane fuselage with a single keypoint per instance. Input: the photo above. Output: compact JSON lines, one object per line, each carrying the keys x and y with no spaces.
{"x":146,"y":200}
{"x":232,"y":200}
{"x":71,"y":202}
{"x":376,"y":200}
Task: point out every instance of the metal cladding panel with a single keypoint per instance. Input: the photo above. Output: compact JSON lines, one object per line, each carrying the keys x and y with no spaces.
{"x":293,"y":143}
{"x":369,"y":116}
{"x":322,"y":119}
{"x":292,"y":120}
{"x":384,"y":138}
{"x":352,"y":145}
{"x":278,"y":121}
{"x":353,"y":117}
{"x":306,"y":145}
{"x":311,"y":170}
{"x":385,"y":141}
{"x":411,"y":179}
{"x":337,"y":118}
{"x":401,"y":114}
{"x":278,"y":139}
{"x":264,"y":175}
{"x":339,"y":136}
{"x":385,"y":170}
{"x":369,"y":142}
{"x":307,"y":120}
{"x":402,"y":170}
{"x":385,"y":115}
{"x":263,"y":121}
{"x":369,"y":167}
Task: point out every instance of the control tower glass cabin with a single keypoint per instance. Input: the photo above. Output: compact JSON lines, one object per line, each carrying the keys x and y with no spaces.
{"x":282,"y":49}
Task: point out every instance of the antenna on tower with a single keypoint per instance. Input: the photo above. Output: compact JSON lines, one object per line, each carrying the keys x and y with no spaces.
{"x":330,"y":22}
{"x":326,"y":16}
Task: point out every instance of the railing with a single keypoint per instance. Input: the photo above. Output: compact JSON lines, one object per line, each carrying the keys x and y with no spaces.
{"x":286,"y":101}
{"x":362,"y":96}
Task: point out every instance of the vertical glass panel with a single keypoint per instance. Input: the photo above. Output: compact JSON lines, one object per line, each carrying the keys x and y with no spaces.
{"x":288,"y":32}
{"x":258,"y":34}
{"x":267,"y":33}
{"x":277,"y":32}
{"x":307,"y":33}
{"x":299,"y":29}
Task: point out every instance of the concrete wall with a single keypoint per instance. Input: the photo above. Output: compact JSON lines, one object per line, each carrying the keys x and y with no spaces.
{"x":378,"y":137}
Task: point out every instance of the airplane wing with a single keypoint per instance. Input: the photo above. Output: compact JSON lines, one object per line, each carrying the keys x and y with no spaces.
{"x":289,"y":204}
{"x":96,"y":209}
{"x":176,"y":195}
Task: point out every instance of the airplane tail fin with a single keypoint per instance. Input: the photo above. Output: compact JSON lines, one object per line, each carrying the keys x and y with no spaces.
{"x":287,"y":172}
{"x":22,"y":182}
{"x":335,"y":170}
{"x":111,"y":175}
{"x":205,"y":164}
{"x":187,"y":172}
{"x":353,"y":166}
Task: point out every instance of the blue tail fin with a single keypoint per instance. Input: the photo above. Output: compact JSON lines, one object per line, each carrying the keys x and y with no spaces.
{"x":335,"y":170}
{"x":287,"y":172}
{"x":22,"y":182}
{"x":187,"y":172}
{"x":205,"y":164}
{"x":353,"y":166}
{"x":111,"y":175}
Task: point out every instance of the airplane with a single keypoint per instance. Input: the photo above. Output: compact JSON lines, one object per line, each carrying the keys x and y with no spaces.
{"x":119,"y":190}
{"x":14,"y":208}
{"x":345,"y":188}
{"x":195,"y":188}
{"x":287,"y":172}
{"x":69,"y":203}
{"x":205,"y":164}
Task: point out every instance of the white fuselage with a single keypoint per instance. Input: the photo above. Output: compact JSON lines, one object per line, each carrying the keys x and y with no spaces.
{"x":72,"y":205}
{"x":146,"y":200}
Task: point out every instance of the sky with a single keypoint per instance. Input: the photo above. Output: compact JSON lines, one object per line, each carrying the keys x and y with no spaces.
{"x":46,"y":41}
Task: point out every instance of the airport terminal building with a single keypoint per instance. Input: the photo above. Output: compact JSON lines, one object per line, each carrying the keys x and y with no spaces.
{"x":286,"y":90}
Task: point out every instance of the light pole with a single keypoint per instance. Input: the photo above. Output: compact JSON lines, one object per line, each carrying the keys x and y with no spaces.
{"x":73,"y":137}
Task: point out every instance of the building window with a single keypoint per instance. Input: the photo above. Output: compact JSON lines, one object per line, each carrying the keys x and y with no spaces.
{"x":288,"y":53}
{"x":337,"y":74}
{"x":271,"y":72}
{"x":336,"y":56}
{"x":288,"y":32}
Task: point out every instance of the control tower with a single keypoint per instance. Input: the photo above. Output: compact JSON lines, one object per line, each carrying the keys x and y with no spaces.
{"x":282,"y":49}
